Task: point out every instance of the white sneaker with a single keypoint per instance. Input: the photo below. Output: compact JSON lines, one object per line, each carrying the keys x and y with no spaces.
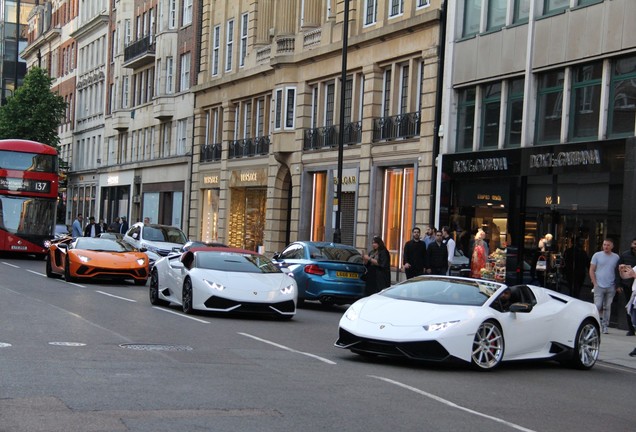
{"x":605,"y":330}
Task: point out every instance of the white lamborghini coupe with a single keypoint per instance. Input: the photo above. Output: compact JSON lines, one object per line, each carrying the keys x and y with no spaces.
{"x":436,"y":318}
{"x":221,"y":279}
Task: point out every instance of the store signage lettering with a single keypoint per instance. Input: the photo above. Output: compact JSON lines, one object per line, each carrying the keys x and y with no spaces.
{"x":24,"y":185}
{"x":112,"y":180}
{"x":573,"y":158}
{"x":251,"y":176}
{"x":347,"y":180}
{"x":487,"y":197}
{"x":480,"y":165}
{"x":213,"y":179}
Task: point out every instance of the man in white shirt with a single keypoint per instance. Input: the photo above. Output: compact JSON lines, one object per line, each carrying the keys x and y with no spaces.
{"x":603,"y":276}
{"x":450,"y":246}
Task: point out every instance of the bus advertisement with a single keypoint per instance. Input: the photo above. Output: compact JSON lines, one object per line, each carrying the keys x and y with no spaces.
{"x":29,"y":185}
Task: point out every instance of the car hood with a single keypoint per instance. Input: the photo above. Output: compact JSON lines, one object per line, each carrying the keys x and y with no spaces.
{"x":112,"y":258}
{"x":247,"y":281}
{"x":162,"y":245}
{"x":381,"y":309}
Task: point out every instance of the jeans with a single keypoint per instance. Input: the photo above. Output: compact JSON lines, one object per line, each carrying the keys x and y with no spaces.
{"x":603,"y":298}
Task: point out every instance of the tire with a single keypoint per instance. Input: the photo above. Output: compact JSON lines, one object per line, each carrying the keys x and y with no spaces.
{"x":488,"y":346}
{"x":186,"y":297}
{"x":49,"y":269}
{"x":587,"y":346}
{"x":67,"y":271}
{"x":153,"y":291}
{"x":300,"y":302}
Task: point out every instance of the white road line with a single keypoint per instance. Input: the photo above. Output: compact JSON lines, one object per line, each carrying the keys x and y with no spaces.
{"x":37,"y":273}
{"x":76,"y":284}
{"x":618,"y":368}
{"x":10,"y":265}
{"x":181,"y":315}
{"x":322,"y":359}
{"x":452,"y":404}
{"x":117,"y":297}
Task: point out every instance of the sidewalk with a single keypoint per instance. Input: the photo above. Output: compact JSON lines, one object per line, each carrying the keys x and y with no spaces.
{"x":615,"y":348}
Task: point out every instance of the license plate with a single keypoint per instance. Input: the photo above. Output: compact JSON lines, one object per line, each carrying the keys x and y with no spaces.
{"x":347,"y":275}
{"x":22,"y":248}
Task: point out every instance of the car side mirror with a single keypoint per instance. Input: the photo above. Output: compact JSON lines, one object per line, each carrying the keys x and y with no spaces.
{"x":520,"y":307}
{"x":135,"y":236}
{"x":143,"y":249}
{"x":62,"y":246}
{"x":276,"y":256}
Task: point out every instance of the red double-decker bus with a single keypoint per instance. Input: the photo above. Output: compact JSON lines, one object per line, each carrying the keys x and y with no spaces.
{"x":29,"y":185}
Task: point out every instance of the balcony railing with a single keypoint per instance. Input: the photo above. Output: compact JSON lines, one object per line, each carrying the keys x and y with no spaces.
{"x":211,"y":152}
{"x":140,"y":52}
{"x":328,"y":136}
{"x":249,"y":147}
{"x":399,"y":126}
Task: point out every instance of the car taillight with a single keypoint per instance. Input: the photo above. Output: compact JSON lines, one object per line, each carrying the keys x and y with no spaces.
{"x":314,"y":269}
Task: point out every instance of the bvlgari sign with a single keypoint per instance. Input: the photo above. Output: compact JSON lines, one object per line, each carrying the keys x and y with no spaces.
{"x":562,"y":159}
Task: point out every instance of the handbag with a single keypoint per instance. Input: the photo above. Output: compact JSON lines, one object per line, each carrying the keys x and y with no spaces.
{"x":541,"y":264}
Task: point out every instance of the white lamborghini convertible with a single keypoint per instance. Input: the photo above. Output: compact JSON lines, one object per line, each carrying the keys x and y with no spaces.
{"x":436,"y":318}
{"x":221,"y":279}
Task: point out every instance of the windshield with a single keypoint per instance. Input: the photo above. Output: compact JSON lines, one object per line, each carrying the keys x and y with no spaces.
{"x":27,"y":216}
{"x":103,"y":244}
{"x":12,"y":160}
{"x":164,"y":234}
{"x":443,"y":291}
{"x":329,"y":252}
{"x":235,"y":262}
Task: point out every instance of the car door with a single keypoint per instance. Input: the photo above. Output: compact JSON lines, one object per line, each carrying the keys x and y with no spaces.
{"x":174,"y":277}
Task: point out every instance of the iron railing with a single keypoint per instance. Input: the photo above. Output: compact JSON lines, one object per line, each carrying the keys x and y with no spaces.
{"x":399,"y":126}
{"x":328,"y":136}
{"x":249,"y":147}
{"x":211,"y":152}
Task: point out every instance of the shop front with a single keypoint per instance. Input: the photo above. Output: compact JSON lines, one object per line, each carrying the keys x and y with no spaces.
{"x":248,"y":203}
{"x":210,"y":197}
{"x":115,"y":195}
{"x":534,"y":204}
{"x":163,"y":202}
{"x":81,"y":197}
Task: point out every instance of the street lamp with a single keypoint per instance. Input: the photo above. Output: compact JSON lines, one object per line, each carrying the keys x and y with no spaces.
{"x":337,"y":235}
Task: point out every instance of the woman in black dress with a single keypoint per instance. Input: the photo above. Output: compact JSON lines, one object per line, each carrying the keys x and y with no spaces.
{"x":378,"y":263}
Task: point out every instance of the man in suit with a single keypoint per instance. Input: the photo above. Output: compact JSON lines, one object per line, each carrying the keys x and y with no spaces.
{"x":92,"y":229}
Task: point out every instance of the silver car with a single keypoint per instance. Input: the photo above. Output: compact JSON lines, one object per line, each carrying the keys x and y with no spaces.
{"x":158,"y":239}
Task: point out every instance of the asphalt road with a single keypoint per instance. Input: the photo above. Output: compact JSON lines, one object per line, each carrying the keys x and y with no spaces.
{"x":98,"y":357}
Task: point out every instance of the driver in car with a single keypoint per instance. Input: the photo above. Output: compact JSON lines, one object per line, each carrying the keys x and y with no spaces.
{"x":502,"y":304}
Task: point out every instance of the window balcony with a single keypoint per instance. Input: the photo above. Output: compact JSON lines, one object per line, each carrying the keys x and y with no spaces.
{"x":258,"y":146}
{"x":399,"y":126}
{"x":139,"y":53}
{"x":328,"y":136}
{"x":211,"y":152}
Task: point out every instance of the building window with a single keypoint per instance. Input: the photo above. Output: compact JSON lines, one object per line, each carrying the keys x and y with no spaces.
{"x":229,"y":43}
{"x":169,"y":75}
{"x":172,"y":14}
{"x":466,"y":120}
{"x":319,"y":206}
{"x":216,"y":46}
{"x":550,"y":107}
{"x":521,"y":11}
{"x":260,"y":117}
{"x":404,"y":90}
{"x":386,"y":93}
{"x":514,"y":115}
{"x":622,"y":104}
{"x":491,"y":108}
{"x":370,"y":12}
{"x":278,"y":113}
{"x":181,"y":136}
{"x":210,"y":215}
{"x":472,"y":17}
{"x":187,"y":12}
{"x":165,"y":139}
{"x":247,"y":120}
{"x":497,"y":14}
{"x":185,"y":72}
{"x":586,"y":100}
{"x":398,"y":206}
{"x":552,"y":6}
{"x":158,"y":82}
{"x":125,"y":92}
{"x":243,"y":45}
{"x":423,"y":3}
{"x":290,"y":108}
{"x":396,"y":8}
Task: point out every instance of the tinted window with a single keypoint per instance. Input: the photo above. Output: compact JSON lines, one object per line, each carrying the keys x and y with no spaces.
{"x":443,"y":291}
{"x":235,"y":262}
{"x":27,"y":161}
{"x":164,"y":234}
{"x":293,"y":252}
{"x":102,"y":244}
{"x":334,"y":253}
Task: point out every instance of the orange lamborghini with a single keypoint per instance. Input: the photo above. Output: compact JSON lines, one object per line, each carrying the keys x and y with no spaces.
{"x":87,"y":258}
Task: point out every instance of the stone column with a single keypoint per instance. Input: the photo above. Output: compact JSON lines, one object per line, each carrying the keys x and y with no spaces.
{"x":265,"y":21}
{"x":285,"y":17}
{"x":311,"y":13}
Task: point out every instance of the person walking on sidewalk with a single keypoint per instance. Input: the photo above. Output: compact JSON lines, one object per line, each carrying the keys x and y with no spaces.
{"x":603,"y":276}
{"x":437,"y":256}
{"x":629,"y":258}
{"x":628,"y":272}
{"x":414,"y":255}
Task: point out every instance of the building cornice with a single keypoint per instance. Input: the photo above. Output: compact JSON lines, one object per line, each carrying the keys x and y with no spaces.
{"x":91,"y":26}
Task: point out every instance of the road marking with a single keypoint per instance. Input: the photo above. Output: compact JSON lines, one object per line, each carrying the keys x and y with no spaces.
{"x":36,"y":273}
{"x":10,"y":265}
{"x":322,"y":359}
{"x":452,"y":404}
{"x":621,"y":368}
{"x":181,"y":315}
{"x":117,"y":297}
{"x":4,"y":345}
{"x":68,"y":344}
{"x":76,"y":284}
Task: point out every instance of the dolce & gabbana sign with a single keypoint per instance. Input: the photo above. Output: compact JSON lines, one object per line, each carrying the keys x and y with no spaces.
{"x":480,"y":165}
{"x":565,"y":159}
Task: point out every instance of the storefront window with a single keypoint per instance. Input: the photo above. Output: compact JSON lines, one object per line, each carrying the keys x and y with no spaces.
{"x":247,"y":217}
{"x":318,"y":206}
{"x":398,"y":209}
{"x":586,"y":100}
{"x":466,"y":120}
{"x":622,"y":115}
{"x":177,"y":204}
{"x":210,"y":215}
{"x":514,"y":117}
{"x":550,"y":107}
{"x":491,"y":109}
{"x":151,"y":206}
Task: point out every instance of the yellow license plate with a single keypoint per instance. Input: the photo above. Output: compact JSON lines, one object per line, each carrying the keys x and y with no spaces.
{"x":347,"y":275}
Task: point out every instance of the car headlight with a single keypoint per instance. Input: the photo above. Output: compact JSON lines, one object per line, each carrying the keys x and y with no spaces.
{"x":352,"y":313}
{"x":214,"y":285}
{"x":83,"y":258}
{"x":288,"y":289}
{"x":440,"y":326}
{"x":47,"y":244}
{"x":141,"y":261}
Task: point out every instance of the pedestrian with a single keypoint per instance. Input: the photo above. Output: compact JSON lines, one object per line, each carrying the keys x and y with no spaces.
{"x":437,"y":256}
{"x":114,"y":226}
{"x":76,"y":228}
{"x":478,"y":257}
{"x":414,"y":259}
{"x":103,"y":226}
{"x":146,"y":220}
{"x":123,"y":228}
{"x":628,"y":272}
{"x":378,"y":263}
{"x":575,"y":266}
{"x":603,"y":276}
{"x":92,"y":229}
{"x":450,"y":246}
{"x":629,"y":258}
{"x":429,"y":236}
